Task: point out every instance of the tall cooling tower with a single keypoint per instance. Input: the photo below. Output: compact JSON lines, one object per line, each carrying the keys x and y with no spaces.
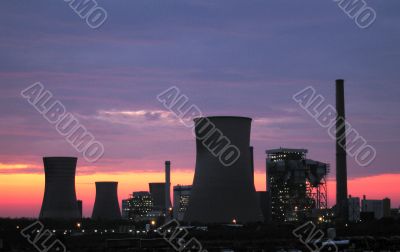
{"x":221,"y":192}
{"x":106,"y":205}
{"x":59,"y":201}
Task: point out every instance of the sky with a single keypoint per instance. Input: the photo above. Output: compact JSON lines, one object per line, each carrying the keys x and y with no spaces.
{"x":229,"y":57}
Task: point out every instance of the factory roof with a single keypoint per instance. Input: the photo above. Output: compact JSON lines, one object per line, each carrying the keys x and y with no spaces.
{"x":287,"y":150}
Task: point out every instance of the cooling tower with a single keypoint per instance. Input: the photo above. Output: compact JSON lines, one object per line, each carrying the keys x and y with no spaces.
{"x":223,"y":190}
{"x":106,"y":205}
{"x":341,"y":164}
{"x":59,"y":201}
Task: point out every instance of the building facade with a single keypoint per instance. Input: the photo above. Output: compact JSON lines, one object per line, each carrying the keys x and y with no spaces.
{"x":138,"y":206}
{"x":379,"y":208}
{"x":354,"y":209}
{"x":181,"y":201}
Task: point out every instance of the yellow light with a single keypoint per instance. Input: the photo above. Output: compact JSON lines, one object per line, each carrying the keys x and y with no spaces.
{"x":153,"y":222}
{"x":320,"y":218}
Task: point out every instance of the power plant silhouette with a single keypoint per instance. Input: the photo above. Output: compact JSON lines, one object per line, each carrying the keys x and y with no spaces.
{"x":59,"y":201}
{"x":220,"y":193}
{"x":223,"y":186}
{"x":106,"y":205}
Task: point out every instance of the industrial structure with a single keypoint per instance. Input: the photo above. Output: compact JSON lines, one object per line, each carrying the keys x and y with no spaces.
{"x":150,"y":205}
{"x":138,"y":206}
{"x":296,"y":186}
{"x":263,"y":199}
{"x":181,"y":200}
{"x":251,"y":150}
{"x":59,"y":201}
{"x":106,"y":206}
{"x":354,"y":209}
{"x":379,"y":208}
{"x":223,"y":189}
{"x":341,"y":208}
{"x":157,"y":191}
{"x":167,"y":186}
{"x":80,"y":208}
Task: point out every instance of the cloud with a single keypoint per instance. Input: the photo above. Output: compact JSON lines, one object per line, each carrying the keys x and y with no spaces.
{"x":141,"y":118}
{"x":19,"y":168}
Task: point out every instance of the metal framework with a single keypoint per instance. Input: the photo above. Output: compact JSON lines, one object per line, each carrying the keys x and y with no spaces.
{"x":319,"y":194}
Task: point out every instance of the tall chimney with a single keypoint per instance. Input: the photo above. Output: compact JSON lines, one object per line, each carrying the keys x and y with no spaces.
{"x":341,"y":163}
{"x":167,"y":186}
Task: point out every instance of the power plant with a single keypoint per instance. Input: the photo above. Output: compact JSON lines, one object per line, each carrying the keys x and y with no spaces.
{"x":59,"y":201}
{"x":223,"y":186}
{"x":341,"y":162}
{"x":223,"y":189}
{"x":106,"y":205}
{"x":296,"y":186}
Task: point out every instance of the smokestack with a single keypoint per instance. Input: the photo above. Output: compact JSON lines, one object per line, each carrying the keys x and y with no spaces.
{"x":341,"y":163}
{"x":59,"y":201}
{"x":106,"y":205}
{"x":167,"y":186}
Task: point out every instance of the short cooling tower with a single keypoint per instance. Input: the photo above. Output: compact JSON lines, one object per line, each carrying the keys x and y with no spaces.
{"x":106,"y":205}
{"x":59,"y":201}
{"x":223,"y":190}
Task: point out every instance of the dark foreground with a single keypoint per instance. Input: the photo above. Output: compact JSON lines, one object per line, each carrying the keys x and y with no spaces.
{"x":383,"y":235}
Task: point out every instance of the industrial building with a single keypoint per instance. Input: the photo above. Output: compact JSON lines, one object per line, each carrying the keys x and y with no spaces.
{"x":263,"y":199}
{"x":106,"y":206}
{"x":59,"y":201}
{"x":354,"y":209}
{"x":80,"y":208}
{"x":223,"y":189}
{"x":138,"y":206}
{"x":379,"y":208}
{"x":150,"y":205}
{"x":158,"y":193}
{"x":296,"y":185}
{"x":126,"y":208}
{"x":181,"y":200}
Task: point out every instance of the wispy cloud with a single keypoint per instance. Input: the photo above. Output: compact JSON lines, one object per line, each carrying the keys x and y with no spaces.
{"x":136,"y":117}
{"x":21,"y":168}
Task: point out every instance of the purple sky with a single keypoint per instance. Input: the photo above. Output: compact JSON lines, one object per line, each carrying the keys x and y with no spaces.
{"x":229,"y":57}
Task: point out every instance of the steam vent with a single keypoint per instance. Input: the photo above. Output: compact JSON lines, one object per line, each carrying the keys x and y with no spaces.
{"x":59,"y":201}
{"x":223,"y":189}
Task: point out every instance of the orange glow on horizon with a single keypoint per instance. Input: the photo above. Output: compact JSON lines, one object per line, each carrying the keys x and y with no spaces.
{"x":21,"y":194}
